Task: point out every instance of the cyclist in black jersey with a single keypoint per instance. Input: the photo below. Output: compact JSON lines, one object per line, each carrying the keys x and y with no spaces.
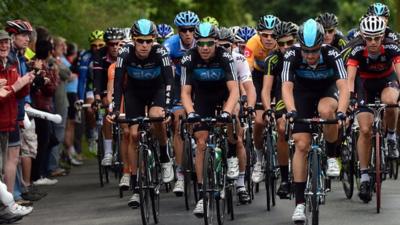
{"x":376,"y":63}
{"x":285,"y":35}
{"x":208,"y":74}
{"x":312,"y":75}
{"x":144,"y":75}
{"x":332,"y":36}
{"x":102,"y":59}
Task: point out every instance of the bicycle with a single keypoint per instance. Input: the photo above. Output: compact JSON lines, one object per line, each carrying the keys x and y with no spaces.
{"x":188,"y":165}
{"x":315,"y":192}
{"x":270,"y":164}
{"x":149,"y":169}
{"x":377,"y":162}
{"x":218,"y":190}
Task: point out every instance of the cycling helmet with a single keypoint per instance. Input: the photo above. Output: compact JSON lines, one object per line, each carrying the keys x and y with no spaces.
{"x":113,"y":33}
{"x":205,"y":30}
{"x":18,"y":27}
{"x":311,"y":34}
{"x":225,"y":34}
{"x":285,"y":29}
{"x":186,"y":18}
{"x":164,"y":31}
{"x":379,"y":9}
{"x":327,"y":20}
{"x":96,"y":35}
{"x":210,"y":19}
{"x":267,"y":22}
{"x":143,"y":27}
{"x":372,"y":26}
{"x":245,"y":33}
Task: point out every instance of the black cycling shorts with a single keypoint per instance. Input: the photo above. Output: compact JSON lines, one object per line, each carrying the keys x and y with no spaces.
{"x":72,"y":98}
{"x":369,"y":89}
{"x":137,"y":99}
{"x":306,"y":103}
{"x":206,"y":105}
{"x":258,"y":77}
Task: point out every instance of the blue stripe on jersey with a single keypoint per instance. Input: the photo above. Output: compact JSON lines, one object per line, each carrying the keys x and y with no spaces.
{"x":315,"y":74}
{"x":215,"y":74}
{"x":143,"y":74}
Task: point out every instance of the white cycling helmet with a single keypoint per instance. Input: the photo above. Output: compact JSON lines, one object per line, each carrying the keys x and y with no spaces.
{"x":372,"y":26}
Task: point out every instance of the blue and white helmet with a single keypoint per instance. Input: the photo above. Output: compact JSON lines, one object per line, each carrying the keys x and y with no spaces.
{"x":311,"y":34}
{"x":245,"y":33}
{"x":186,"y":18}
{"x":379,"y":9}
{"x":267,"y":22}
{"x":164,"y":31}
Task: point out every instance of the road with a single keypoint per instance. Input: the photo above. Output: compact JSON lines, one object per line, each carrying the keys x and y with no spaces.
{"x":77,"y":199}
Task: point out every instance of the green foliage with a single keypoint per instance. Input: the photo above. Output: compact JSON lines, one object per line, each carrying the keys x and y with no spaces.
{"x":75,"y":19}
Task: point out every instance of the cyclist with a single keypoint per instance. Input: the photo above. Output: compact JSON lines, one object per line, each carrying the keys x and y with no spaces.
{"x":85,"y":82}
{"x":210,"y":19}
{"x":242,"y":36}
{"x":257,"y":49}
{"x":285,"y":35}
{"x":382,"y":10}
{"x":149,"y":78}
{"x":208,"y":73}
{"x":103,"y":58}
{"x":164,"y":31}
{"x":312,"y":76}
{"x":177,"y":45}
{"x":374,"y":60}
{"x":332,"y":36}
{"x":237,"y":154}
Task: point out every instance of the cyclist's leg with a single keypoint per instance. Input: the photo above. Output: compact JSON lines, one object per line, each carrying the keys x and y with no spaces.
{"x":390,"y":95}
{"x":124,"y":154}
{"x":283,"y":158}
{"x":178,"y":144}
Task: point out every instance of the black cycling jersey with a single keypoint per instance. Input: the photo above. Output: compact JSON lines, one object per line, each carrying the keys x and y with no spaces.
{"x":274,"y":67}
{"x":375,"y":66}
{"x":339,"y":42}
{"x":329,"y":69}
{"x":143,"y":75}
{"x":207,"y":76}
{"x":101,"y":62}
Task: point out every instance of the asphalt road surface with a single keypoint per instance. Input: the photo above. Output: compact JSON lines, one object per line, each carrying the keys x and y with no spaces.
{"x":78,"y":199}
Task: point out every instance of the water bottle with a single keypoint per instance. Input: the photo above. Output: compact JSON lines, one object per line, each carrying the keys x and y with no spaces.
{"x":99,"y":119}
{"x":218,"y":158}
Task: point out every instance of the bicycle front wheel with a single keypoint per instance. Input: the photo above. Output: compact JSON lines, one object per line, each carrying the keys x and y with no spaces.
{"x":143,"y":184}
{"x":208,"y":187}
{"x":312,"y":201}
{"x":378,"y":171}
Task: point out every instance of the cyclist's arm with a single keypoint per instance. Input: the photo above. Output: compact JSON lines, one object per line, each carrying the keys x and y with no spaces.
{"x":118,"y":80}
{"x":246,"y":83}
{"x":268,"y":81}
{"x":231,"y":82}
{"x":248,"y":86}
{"x":168,"y":75}
{"x":186,"y":90}
{"x":341,"y":82}
{"x":97,"y":73}
{"x":287,"y":82}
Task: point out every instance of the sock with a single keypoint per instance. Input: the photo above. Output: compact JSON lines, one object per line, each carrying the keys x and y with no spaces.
{"x":240,"y":180}
{"x":134,"y":184}
{"x":391,"y":135}
{"x":107,"y":146}
{"x":330,"y":149}
{"x":364,"y":175}
{"x":6,"y":197}
{"x":260,"y":155}
{"x":284,"y":173}
{"x":126,"y":169}
{"x":71,"y":150}
{"x":300,"y":187}
{"x":179,"y":173}
{"x":231,"y":150}
{"x":200,"y":188}
{"x":164,"y":158}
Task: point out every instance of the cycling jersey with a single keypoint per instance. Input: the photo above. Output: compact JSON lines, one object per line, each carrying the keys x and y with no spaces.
{"x":176,"y":51}
{"x":242,"y":67}
{"x":144,"y":76}
{"x":374,"y":66}
{"x":339,"y":42}
{"x":85,"y":69}
{"x":101,"y":62}
{"x":255,"y":53}
{"x":329,"y":68}
{"x":274,"y":66}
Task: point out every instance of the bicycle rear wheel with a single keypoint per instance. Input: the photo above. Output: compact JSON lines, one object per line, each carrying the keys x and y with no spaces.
{"x":347,"y":173}
{"x":378,"y":172}
{"x":208,"y":187}
{"x":143,"y":184}
{"x":100,"y":155}
{"x":267,"y":170}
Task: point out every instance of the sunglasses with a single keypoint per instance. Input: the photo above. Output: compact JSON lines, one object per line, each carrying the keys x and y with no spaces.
{"x":205,"y":43}
{"x":184,"y":29}
{"x":97,"y":45}
{"x":142,"y":41}
{"x":226,"y":45}
{"x":112,"y":44}
{"x":266,"y":35}
{"x":330,"y":31}
{"x":311,"y":51}
{"x":376,"y":39}
{"x":283,"y":43}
